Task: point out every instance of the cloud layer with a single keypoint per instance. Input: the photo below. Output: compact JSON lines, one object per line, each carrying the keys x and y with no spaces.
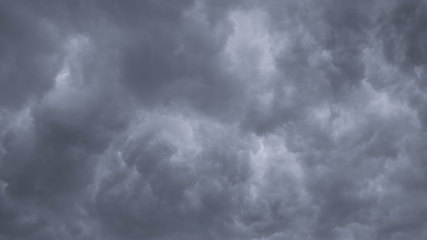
{"x":199,"y":119}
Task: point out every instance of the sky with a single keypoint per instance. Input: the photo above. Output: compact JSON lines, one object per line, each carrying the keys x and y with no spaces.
{"x":213,"y":119}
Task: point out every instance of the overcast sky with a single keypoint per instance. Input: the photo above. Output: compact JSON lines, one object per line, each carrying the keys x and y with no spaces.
{"x":213,"y":120}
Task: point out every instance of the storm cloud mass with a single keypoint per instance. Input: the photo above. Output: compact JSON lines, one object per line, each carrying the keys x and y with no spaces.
{"x":222,"y":119}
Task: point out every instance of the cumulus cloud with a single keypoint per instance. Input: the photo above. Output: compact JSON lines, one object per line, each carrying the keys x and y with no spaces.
{"x":202,"y":119}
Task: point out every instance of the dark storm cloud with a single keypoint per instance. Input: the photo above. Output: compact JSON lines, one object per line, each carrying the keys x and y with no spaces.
{"x":404,"y":34}
{"x":212,"y":120}
{"x":189,"y":193}
{"x":27,"y":52}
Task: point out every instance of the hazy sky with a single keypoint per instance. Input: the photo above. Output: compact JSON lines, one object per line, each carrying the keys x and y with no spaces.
{"x":213,"y":120}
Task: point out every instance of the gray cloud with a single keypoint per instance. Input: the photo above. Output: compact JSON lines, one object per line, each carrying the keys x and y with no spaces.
{"x":212,"y":120}
{"x":28,"y":52}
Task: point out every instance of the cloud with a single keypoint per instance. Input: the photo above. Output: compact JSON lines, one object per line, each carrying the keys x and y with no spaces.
{"x":28,"y":52}
{"x":212,"y":120}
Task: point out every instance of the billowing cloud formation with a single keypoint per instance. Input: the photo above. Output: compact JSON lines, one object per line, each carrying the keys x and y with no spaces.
{"x":202,"y":119}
